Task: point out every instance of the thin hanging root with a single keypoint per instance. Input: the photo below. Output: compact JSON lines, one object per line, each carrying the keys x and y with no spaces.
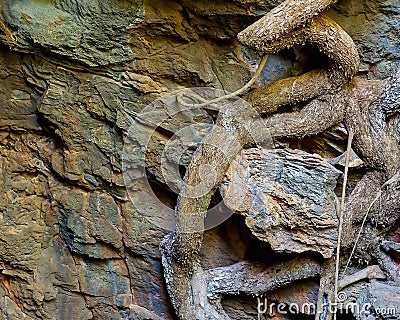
{"x":341,"y":211}
{"x":393,"y":179}
{"x":225,"y":97}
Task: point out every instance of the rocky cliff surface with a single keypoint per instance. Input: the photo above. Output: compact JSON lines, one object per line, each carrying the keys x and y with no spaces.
{"x":72,"y":75}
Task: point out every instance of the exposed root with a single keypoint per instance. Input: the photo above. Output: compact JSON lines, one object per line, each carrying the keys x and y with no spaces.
{"x":317,"y":116}
{"x":369,"y":273}
{"x":341,"y":211}
{"x":392,"y":180}
{"x":207,"y":103}
{"x":330,"y":99}
{"x":256,"y":279}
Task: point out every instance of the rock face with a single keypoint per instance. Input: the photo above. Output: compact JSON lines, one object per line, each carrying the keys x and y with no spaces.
{"x":287,"y":198}
{"x":380,"y":300}
{"x":73,"y":75}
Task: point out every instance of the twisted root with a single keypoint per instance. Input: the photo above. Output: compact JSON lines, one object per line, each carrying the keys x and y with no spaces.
{"x":293,"y":22}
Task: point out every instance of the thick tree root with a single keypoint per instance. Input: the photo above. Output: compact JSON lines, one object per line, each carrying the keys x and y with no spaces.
{"x":256,"y":279}
{"x":372,"y":115}
{"x":191,"y":209}
{"x":369,"y":273}
{"x":367,"y":108}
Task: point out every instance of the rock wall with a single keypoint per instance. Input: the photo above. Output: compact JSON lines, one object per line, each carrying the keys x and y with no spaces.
{"x":72,"y":76}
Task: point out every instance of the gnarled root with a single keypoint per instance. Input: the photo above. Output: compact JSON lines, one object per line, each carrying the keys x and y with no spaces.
{"x":330,"y":39}
{"x":371,"y":114}
{"x":236,"y":128}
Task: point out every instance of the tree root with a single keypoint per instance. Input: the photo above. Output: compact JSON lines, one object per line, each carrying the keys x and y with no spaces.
{"x":369,"y":273}
{"x":256,"y":279}
{"x":365,"y":106}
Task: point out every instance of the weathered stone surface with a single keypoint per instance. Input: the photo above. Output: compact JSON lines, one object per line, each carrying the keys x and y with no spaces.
{"x":205,"y":16}
{"x":379,"y":301}
{"x":374,"y":27}
{"x":73,"y":33}
{"x":37,"y":268}
{"x":18,"y":110}
{"x":73,"y":74}
{"x":287,"y":198}
{"x":140,"y":313}
{"x":91,"y":224}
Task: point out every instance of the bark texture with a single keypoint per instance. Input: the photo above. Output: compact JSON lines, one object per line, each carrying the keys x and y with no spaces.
{"x":359,"y":102}
{"x":75,"y":77}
